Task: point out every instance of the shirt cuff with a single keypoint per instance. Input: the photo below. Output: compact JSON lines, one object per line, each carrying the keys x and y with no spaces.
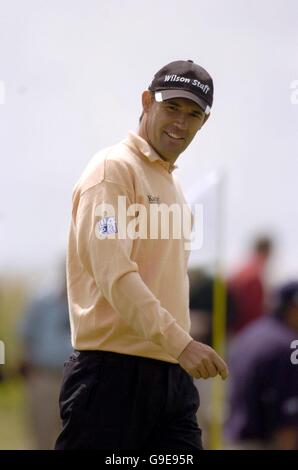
{"x":175,"y":340}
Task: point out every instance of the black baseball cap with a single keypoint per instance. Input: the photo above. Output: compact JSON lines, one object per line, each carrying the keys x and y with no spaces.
{"x":284,"y":297}
{"x":184,"y":79}
{"x":288,"y":294}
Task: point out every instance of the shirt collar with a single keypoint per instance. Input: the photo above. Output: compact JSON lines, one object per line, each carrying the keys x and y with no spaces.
{"x":142,"y":147}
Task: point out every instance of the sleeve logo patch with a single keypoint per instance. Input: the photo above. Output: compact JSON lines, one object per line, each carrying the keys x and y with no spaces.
{"x":107,"y":226}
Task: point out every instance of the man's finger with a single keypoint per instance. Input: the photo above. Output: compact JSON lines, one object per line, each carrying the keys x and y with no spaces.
{"x":211,"y":369}
{"x":222,"y":367}
{"x":223,"y":371}
{"x":194,"y":373}
{"x":203,"y":371}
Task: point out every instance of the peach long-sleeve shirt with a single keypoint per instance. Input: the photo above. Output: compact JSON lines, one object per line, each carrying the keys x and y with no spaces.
{"x":127,"y":295}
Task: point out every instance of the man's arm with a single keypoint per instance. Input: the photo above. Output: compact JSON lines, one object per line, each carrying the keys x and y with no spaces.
{"x":108,"y":260}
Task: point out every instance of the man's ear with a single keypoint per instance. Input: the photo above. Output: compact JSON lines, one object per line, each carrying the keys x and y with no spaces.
{"x":205,"y":119}
{"x":147,"y":100}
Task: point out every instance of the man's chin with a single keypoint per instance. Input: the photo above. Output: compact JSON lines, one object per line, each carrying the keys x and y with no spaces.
{"x":170,"y":156}
{"x":173,"y":151}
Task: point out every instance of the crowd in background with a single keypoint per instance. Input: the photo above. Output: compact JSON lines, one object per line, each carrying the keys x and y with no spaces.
{"x":261,"y":405}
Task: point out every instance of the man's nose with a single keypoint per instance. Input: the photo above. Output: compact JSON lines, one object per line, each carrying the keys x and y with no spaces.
{"x":180,"y":121}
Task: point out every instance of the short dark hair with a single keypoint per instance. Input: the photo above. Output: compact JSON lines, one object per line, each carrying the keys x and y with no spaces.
{"x":284,"y":298}
{"x":263,"y":245}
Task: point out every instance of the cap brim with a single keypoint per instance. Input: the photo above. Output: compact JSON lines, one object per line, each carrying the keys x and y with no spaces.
{"x":163,"y":95}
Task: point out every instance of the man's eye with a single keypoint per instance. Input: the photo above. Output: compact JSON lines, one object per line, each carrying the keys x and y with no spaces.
{"x":172,"y":107}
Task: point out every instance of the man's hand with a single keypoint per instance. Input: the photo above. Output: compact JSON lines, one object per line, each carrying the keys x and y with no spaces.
{"x":201,"y":361}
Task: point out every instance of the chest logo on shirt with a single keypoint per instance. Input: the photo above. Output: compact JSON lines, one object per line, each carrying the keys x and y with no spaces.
{"x":153,"y":199}
{"x":107,"y":225}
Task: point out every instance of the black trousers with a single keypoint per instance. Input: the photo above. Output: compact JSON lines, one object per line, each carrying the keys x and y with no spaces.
{"x":112,"y":401}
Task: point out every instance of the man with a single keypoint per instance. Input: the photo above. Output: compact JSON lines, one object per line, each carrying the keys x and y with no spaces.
{"x":45,"y":335}
{"x":247,"y":287}
{"x":128,"y":384}
{"x":263,"y":395}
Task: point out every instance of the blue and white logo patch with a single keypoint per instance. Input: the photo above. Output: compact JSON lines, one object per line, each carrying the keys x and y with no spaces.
{"x":107,"y":226}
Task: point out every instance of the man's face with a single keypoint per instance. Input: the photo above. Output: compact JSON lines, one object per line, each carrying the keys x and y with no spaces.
{"x":171,"y":125}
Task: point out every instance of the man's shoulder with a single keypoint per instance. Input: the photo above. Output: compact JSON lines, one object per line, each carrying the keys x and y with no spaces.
{"x":113,"y":164}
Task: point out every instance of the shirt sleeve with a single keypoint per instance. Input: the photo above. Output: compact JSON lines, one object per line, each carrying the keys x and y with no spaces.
{"x":107,"y":258}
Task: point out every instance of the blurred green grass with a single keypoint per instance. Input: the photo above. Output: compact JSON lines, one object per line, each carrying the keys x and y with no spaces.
{"x":14,"y":430}
{"x":13,"y":298}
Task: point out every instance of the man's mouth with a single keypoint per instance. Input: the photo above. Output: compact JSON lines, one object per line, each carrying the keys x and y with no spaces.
{"x":174,"y":136}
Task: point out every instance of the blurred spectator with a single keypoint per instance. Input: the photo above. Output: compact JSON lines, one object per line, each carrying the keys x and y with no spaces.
{"x":201,"y":310}
{"x":46,"y":337}
{"x":263,"y":392}
{"x":200,"y":304}
{"x":246,"y":286}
